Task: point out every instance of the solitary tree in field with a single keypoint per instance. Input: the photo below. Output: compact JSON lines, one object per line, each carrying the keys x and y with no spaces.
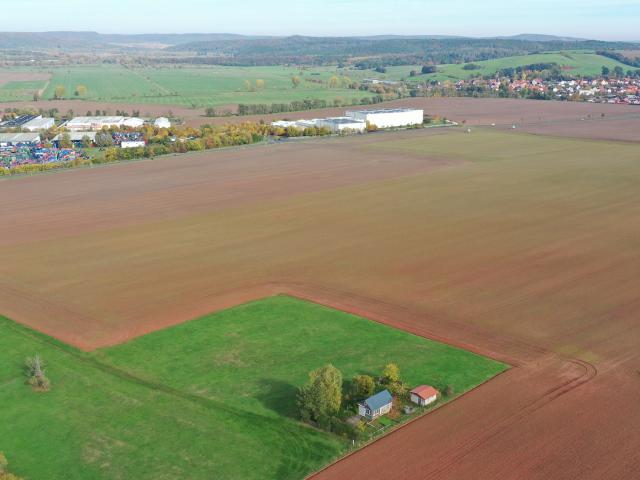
{"x":334,"y":82}
{"x":260,"y":84}
{"x":321,"y":397}
{"x":295,"y":80}
{"x":59,"y":92}
{"x":81,"y":91}
{"x":247,"y":86}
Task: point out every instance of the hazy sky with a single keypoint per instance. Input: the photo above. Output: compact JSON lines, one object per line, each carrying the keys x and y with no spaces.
{"x":602,"y":19}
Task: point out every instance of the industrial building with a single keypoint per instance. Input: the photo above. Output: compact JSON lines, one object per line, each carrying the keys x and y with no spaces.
{"x":341,"y":124}
{"x":162,"y":122}
{"x":18,"y":122}
{"x":77,"y":138}
{"x":39,"y":123}
{"x":388,"y":118}
{"x":98,"y":123}
{"x":133,"y":122}
{"x":19,"y":139}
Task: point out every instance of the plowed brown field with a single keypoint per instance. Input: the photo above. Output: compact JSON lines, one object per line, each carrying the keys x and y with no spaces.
{"x":521,"y":247}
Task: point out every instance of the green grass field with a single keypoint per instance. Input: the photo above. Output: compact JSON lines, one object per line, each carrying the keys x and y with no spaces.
{"x":20,"y":90}
{"x":197,"y":86}
{"x":211,"y":86}
{"x":587,"y":64}
{"x":211,"y":398}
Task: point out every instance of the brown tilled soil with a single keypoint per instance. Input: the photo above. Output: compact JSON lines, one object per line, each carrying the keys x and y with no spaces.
{"x":532,"y":262}
{"x":6,"y":77}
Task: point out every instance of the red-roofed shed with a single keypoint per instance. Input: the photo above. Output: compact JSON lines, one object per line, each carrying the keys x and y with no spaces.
{"x":424,"y":395}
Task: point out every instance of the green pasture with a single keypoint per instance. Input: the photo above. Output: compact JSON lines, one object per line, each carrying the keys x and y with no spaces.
{"x":210,"y":398}
{"x":198,"y":86}
{"x":577,"y":64}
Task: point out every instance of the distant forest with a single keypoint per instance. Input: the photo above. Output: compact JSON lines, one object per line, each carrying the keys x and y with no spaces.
{"x":238,"y":50}
{"x":376,"y":52}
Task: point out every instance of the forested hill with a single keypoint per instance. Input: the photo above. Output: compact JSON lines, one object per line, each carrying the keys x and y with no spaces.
{"x":232,"y":49}
{"x":385,"y":51}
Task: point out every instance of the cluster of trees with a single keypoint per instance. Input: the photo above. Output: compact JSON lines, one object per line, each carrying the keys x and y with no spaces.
{"x":297,"y":106}
{"x":4,"y":469}
{"x":187,"y":139}
{"x":260,"y":84}
{"x":632,"y":62}
{"x":325,"y":403}
{"x":618,"y":72}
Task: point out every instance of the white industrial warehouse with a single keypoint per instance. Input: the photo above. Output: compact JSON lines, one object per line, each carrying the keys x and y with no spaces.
{"x":341,"y":124}
{"x":357,"y":120}
{"x":389,"y":118}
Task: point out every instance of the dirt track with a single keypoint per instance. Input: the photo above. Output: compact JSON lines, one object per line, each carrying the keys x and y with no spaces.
{"x":535,"y":264}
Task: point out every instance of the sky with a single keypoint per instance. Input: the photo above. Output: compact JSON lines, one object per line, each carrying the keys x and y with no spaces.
{"x":597,"y":19}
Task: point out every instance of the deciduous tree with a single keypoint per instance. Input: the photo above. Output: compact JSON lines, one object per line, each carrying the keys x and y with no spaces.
{"x":59,"y":92}
{"x":362,"y":386}
{"x":321,"y":397}
{"x":391,"y":373}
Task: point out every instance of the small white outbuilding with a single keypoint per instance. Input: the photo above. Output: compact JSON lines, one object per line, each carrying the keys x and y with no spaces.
{"x":424,"y":395}
{"x":162,"y":122}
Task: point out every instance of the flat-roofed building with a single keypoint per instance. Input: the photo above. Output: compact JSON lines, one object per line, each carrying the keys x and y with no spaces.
{"x":39,"y":123}
{"x":162,"y":122}
{"x":93,"y":123}
{"x":342,"y":124}
{"x":17,"y":139}
{"x":389,"y":118}
{"x":133,"y":122}
{"x":77,"y":138}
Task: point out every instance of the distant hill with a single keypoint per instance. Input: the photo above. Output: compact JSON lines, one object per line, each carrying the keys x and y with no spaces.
{"x":534,"y":37}
{"x":371,"y":51}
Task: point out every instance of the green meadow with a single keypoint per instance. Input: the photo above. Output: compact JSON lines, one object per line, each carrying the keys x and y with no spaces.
{"x":210,"y":398}
{"x":578,"y":64}
{"x":199,"y":86}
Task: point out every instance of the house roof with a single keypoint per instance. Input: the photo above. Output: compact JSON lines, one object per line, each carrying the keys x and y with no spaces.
{"x":424,"y":391}
{"x":378,"y":400}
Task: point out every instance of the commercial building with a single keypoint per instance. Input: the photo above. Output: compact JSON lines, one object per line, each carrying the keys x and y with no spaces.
{"x":341,"y":124}
{"x":133,"y":122}
{"x":132,"y":143}
{"x":162,"y":122}
{"x":77,"y":138}
{"x":389,"y":118}
{"x":39,"y":123}
{"x":18,"y":121}
{"x":19,"y":139}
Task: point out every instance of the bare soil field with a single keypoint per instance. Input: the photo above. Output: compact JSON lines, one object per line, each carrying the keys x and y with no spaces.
{"x":6,"y":77}
{"x":520,"y":247}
